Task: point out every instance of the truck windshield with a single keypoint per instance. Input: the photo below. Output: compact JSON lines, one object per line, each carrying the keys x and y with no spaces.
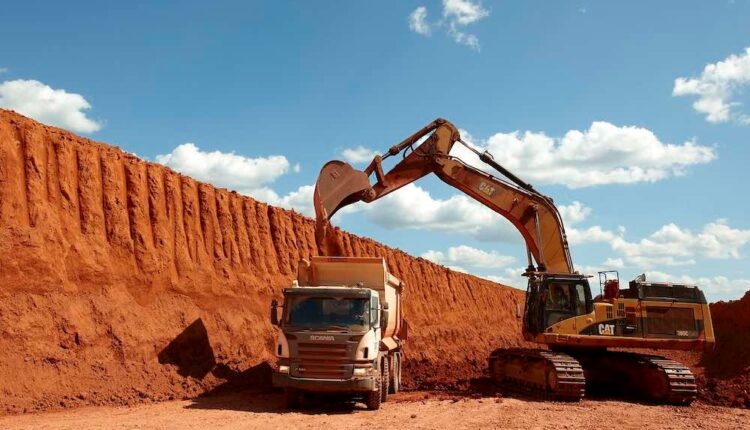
{"x":328,"y":312}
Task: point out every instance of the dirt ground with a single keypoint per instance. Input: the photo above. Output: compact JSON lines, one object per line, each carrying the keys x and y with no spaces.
{"x":420,"y":410}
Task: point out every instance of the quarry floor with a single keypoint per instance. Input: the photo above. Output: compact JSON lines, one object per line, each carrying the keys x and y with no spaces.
{"x":421,"y":410}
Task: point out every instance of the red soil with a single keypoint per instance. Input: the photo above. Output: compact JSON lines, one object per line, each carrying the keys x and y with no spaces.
{"x":123,"y":281}
{"x":726,"y":379}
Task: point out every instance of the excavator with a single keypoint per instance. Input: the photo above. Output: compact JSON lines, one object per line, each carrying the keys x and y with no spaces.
{"x":592,"y":343}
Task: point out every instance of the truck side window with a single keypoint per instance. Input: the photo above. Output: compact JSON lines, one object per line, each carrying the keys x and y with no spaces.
{"x":374,"y":311}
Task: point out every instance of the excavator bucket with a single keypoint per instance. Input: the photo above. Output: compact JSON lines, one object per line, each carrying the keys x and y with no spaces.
{"x":339,"y":185}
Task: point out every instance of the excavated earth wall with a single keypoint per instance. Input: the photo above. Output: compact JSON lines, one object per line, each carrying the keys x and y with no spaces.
{"x":726,"y":379}
{"x":123,"y":281}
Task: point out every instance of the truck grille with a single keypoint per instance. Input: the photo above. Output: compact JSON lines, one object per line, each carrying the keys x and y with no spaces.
{"x":322,"y":360}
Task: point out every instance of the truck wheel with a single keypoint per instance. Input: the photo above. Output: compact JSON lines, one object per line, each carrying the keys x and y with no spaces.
{"x":385,"y":379}
{"x":372,"y":399}
{"x":291,"y":398}
{"x":395,"y":382}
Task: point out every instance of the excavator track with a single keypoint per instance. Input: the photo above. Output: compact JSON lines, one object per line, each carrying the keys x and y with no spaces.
{"x":682,"y":389}
{"x":552,"y":375}
{"x":650,"y":377}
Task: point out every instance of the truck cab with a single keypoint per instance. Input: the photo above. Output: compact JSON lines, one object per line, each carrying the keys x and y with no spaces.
{"x":331,"y":336}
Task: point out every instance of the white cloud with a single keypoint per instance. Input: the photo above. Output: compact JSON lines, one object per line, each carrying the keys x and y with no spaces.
{"x":460,"y":13}
{"x":45,"y":104}
{"x":300,"y":200}
{"x":248,"y":176}
{"x":512,"y":277}
{"x":603,"y":154}
{"x":717,"y":86}
{"x":614,"y":263}
{"x":463,"y":12}
{"x":360,"y":154}
{"x":414,"y":208}
{"x":592,"y":234}
{"x":467,"y":256}
{"x":418,"y":21}
{"x":671,"y":245}
{"x":464,"y":39}
{"x":574,"y":213}
{"x":4,"y":70}
{"x":226,"y":169}
{"x":457,"y":15}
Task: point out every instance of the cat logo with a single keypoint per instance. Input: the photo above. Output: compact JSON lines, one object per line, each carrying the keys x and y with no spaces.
{"x":486,"y":188}
{"x":319,"y":337}
{"x":607,"y":329}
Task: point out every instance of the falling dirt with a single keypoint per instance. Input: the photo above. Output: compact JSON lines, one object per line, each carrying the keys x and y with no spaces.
{"x":123,"y":282}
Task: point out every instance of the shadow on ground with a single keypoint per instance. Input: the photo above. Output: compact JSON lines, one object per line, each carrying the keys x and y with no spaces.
{"x":247,"y":390}
{"x":273,"y":402}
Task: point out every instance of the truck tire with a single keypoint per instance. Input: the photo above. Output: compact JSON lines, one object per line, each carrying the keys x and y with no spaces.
{"x":372,"y":398}
{"x":291,"y":398}
{"x":395,"y":382}
{"x":385,"y":379}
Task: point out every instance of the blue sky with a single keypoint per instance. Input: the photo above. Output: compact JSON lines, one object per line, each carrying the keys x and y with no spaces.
{"x":286,"y":86}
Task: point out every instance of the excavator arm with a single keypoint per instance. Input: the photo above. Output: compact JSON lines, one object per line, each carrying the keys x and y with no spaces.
{"x":532,"y":213}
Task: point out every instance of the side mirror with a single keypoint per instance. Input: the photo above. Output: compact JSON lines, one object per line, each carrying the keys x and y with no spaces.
{"x":274,"y":312}
{"x":384,"y":314}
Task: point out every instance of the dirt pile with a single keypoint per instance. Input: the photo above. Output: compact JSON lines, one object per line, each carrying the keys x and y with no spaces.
{"x":726,"y":378}
{"x":123,"y":281}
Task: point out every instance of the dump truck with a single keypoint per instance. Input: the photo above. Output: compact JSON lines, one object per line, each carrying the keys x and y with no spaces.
{"x":340,"y":331}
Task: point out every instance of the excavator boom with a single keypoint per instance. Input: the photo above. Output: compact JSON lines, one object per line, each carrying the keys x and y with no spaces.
{"x":532,"y":213}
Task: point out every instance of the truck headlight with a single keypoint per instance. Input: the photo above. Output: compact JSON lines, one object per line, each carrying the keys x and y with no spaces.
{"x":359,"y":371}
{"x":283,"y":369}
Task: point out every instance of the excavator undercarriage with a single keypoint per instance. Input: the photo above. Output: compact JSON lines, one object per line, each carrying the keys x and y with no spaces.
{"x":567,"y":376}
{"x":579,"y":330}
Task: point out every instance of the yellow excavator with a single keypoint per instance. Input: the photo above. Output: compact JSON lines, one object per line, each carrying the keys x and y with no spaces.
{"x":584,"y":335}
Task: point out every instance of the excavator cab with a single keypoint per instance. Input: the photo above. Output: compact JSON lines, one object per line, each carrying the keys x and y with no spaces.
{"x":551,"y":298}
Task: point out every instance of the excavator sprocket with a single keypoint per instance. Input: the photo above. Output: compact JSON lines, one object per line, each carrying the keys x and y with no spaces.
{"x":550,"y":374}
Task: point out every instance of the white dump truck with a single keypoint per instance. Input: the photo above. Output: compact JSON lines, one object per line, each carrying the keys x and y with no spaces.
{"x":340,"y":331}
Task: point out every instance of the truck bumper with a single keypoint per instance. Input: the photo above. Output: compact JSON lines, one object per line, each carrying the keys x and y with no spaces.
{"x":283,"y":380}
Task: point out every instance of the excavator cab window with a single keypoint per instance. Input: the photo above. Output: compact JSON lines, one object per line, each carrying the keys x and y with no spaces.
{"x":566,"y":299}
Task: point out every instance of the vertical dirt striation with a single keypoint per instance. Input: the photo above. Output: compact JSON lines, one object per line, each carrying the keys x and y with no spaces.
{"x":121,"y":281}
